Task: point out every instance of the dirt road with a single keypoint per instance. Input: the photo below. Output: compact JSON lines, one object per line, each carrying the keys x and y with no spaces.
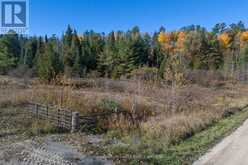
{"x":233,"y":150}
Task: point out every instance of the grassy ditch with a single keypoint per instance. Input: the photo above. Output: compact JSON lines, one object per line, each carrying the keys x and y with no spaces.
{"x":184,"y":152}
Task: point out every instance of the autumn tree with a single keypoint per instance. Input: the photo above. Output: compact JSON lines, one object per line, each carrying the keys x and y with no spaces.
{"x":175,"y":65}
{"x":225,"y":40}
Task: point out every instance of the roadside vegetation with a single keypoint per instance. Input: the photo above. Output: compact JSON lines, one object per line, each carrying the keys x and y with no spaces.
{"x":189,"y":150}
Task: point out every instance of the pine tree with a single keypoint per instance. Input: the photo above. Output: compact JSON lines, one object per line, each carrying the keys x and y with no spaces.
{"x":95,"y":45}
{"x":214,"y":55}
{"x":106,"y":60}
{"x":5,"y":61}
{"x":78,"y":67}
{"x":49,"y":64}
{"x":10,"y":51}
{"x":68,"y":57}
{"x":156,"y":55}
{"x":30,"y":50}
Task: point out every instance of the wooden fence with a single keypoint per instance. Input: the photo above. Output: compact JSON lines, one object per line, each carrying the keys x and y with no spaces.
{"x":67,"y":119}
{"x":60,"y":117}
{"x":92,"y":119}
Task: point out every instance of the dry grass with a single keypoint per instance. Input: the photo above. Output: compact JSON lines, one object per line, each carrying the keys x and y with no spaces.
{"x":171,"y":113}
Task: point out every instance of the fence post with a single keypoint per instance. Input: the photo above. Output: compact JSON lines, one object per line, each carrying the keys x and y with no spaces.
{"x":47,"y":108}
{"x":74,"y":122}
{"x":58,"y":117}
{"x":37,"y":110}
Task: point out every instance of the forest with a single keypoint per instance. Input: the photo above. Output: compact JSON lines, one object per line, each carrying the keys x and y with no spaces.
{"x":120,"y":54}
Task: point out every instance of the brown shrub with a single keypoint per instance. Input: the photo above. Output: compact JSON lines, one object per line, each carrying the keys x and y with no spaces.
{"x":160,"y":111}
{"x":205,"y":78}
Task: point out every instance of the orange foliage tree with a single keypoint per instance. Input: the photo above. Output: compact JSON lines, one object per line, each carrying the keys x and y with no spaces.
{"x":173,"y":44}
{"x":225,"y":40}
{"x":243,"y":38}
{"x":180,"y":41}
{"x":168,"y":41}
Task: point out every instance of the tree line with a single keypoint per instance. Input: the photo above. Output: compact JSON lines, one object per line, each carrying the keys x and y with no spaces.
{"x":119,"y":53}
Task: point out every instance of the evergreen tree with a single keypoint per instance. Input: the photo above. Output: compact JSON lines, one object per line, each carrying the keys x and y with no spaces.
{"x":49,"y":64}
{"x":6,"y":62}
{"x":219,"y":28}
{"x":68,"y":56}
{"x":78,"y":66}
{"x":30,"y":50}
{"x":156,"y":55}
{"x":94,"y":45}
{"x":214,"y":55}
{"x":106,"y":61}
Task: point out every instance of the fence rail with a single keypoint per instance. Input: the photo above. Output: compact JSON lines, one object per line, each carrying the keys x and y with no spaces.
{"x":57,"y":116}
{"x":93,"y":117}
{"x":65,"y":118}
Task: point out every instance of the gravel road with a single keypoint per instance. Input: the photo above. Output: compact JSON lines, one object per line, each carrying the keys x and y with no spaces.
{"x":233,"y":150}
{"x":46,"y":152}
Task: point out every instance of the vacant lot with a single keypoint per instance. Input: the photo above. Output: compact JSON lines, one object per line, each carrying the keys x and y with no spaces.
{"x":162,"y":116}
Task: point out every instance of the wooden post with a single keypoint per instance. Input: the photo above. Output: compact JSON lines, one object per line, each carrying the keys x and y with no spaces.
{"x":37,"y":110}
{"x":74,"y":122}
{"x":47,"y":108}
{"x":58,"y":117}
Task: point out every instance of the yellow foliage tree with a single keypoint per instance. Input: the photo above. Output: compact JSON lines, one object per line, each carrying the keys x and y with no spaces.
{"x":244,"y":36}
{"x":163,"y":37}
{"x":168,"y":41}
{"x":173,"y":44}
{"x":225,"y":40}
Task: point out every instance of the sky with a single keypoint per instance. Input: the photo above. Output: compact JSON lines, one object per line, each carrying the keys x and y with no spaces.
{"x":52,"y":16}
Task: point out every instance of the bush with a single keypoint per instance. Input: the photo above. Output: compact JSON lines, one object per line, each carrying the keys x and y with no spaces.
{"x":145,"y":73}
{"x":93,"y":74}
{"x":113,"y":85}
{"x":108,"y":105}
{"x":22,"y":71}
{"x":122,"y":120}
{"x":205,"y":78}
